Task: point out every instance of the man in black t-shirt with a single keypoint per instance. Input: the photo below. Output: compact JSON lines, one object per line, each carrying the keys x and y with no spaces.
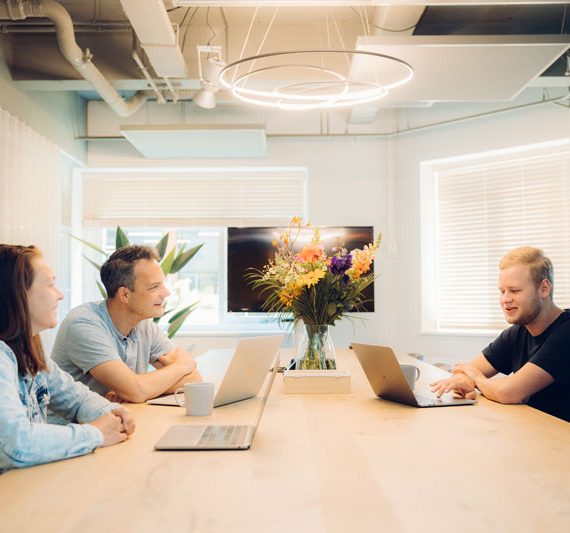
{"x":534,"y":352}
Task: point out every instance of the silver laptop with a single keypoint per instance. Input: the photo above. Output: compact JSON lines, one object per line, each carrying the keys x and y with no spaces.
{"x":238,"y":374}
{"x":388,"y":381}
{"x":211,"y":437}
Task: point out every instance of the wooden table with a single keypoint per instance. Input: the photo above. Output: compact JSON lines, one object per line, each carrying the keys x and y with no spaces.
{"x":319,"y":463}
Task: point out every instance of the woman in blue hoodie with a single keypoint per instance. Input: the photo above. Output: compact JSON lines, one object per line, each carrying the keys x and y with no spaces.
{"x":29,"y":380}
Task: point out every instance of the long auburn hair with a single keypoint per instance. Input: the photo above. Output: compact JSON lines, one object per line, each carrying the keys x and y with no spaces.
{"x":16,"y":277}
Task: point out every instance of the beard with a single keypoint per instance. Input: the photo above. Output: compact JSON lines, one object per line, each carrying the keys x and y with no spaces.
{"x":526,"y":315}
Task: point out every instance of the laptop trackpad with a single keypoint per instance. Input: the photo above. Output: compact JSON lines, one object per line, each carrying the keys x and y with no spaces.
{"x":181,"y":436}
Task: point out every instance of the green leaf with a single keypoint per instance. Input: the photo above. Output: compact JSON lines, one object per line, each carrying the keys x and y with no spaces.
{"x":90,"y":244}
{"x":157,"y":319}
{"x":161,"y":246}
{"x":176,"y":323}
{"x":166,"y":264}
{"x":102,"y":290}
{"x":168,"y":311}
{"x":180,"y":262}
{"x":181,"y":312}
{"x":121,"y":239}
{"x":96,"y":265}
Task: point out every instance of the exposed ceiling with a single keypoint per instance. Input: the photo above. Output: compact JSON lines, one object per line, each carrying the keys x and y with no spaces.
{"x":461,"y":51}
{"x":103,"y":28}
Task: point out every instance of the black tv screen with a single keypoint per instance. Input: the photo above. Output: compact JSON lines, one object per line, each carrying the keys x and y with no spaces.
{"x":253,"y":248}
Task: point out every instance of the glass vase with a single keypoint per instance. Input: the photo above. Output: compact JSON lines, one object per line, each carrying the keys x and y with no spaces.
{"x":316,"y":350}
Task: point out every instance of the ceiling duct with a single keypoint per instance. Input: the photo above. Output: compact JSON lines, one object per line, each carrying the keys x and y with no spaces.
{"x":158,"y":39}
{"x":80,"y":61}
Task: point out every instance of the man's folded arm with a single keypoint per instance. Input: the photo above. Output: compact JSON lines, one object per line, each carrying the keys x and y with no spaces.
{"x":137,"y":388}
{"x":512,"y":389}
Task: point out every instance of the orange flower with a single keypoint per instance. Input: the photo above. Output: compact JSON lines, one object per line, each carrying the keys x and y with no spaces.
{"x":310,"y":253}
{"x":362,"y":259}
{"x":360,"y":266}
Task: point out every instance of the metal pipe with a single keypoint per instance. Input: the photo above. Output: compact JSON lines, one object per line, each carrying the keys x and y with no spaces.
{"x":172,"y":90}
{"x":159,"y":96}
{"x":17,"y":10}
{"x":40,"y":26}
{"x":387,"y":134}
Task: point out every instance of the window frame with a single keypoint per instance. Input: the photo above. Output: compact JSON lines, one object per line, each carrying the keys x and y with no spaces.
{"x":430,"y":260}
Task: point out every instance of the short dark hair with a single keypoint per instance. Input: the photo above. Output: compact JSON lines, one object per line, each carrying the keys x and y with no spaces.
{"x":16,"y":278}
{"x":119,"y":269}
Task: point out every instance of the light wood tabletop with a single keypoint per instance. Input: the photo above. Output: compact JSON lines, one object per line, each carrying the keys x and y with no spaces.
{"x":319,"y":463}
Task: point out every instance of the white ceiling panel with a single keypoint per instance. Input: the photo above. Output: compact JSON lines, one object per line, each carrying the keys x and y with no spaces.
{"x":463,"y":68}
{"x":197,"y":142}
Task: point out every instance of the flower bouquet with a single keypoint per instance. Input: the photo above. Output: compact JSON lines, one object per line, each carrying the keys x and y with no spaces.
{"x":314,"y":287}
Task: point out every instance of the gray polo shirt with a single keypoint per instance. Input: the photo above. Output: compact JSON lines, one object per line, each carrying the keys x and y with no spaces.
{"x":87,"y":337}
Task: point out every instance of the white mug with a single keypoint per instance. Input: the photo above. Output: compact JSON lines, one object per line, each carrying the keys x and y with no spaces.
{"x":412,"y":374}
{"x":198,"y":398}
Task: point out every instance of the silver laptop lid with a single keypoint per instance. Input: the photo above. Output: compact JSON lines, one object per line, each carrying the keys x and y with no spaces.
{"x":266,"y":395}
{"x":247,"y":369}
{"x":384,"y":373}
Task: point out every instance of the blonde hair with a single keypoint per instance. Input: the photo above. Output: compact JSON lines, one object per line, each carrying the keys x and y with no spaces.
{"x":539,"y":266}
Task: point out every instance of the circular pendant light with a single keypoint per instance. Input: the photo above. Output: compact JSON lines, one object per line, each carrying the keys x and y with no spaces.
{"x":314,"y":79}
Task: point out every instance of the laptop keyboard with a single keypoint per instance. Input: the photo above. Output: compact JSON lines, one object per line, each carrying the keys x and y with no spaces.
{"x":424,"y":399}
{"x":229,"y":435}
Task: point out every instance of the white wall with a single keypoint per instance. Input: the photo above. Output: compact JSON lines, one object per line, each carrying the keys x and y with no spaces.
{"x":376,"y":181}
{"x":346,"y":187}
{"x":527,"y":126}
{"x":58,"y":116}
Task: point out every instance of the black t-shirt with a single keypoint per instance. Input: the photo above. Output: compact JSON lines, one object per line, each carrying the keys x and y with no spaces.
{"x":550,"y":350}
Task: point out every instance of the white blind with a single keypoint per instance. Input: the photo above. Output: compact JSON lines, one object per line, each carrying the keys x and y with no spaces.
{"x":197,"y":198}
{"x":483,"y":211}
{"x":30,"y":211}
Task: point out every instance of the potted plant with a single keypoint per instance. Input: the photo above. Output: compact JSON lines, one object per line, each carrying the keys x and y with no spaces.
{"x":171,"y":262}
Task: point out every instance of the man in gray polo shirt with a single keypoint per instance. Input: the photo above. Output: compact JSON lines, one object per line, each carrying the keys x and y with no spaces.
{"x":108,"y":345}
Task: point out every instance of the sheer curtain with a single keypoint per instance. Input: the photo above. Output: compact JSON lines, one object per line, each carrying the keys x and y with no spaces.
{"x":30,"y":210}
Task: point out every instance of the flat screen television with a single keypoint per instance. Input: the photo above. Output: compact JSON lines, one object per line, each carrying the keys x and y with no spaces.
{"x":253,"y":248}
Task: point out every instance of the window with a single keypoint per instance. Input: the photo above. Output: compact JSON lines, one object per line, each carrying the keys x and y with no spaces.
{"x":199,"y":280}
{"x":193,"y":197}
{"x":194,"y":206}
{"x":474,"y":210}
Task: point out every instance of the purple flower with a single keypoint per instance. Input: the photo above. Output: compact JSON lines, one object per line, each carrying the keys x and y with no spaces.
{"x":339,"y":265}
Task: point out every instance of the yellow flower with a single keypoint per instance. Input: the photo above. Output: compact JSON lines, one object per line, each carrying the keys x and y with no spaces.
{"x":310,"y":278}
{"x":288,"y":295}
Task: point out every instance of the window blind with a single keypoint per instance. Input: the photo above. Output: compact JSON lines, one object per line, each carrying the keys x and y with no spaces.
{"x":30,"y":198}
{"x":196,"y":198}
{"x":484,"y":210}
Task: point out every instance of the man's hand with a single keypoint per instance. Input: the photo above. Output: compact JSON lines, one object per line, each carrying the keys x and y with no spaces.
{"x":459,"y":383}
{"x":179,"y":357}
{"x":111,"y":426}
{"x":468,"y":370}
{"x":127,"y":419}
{"x":112,"y":396}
